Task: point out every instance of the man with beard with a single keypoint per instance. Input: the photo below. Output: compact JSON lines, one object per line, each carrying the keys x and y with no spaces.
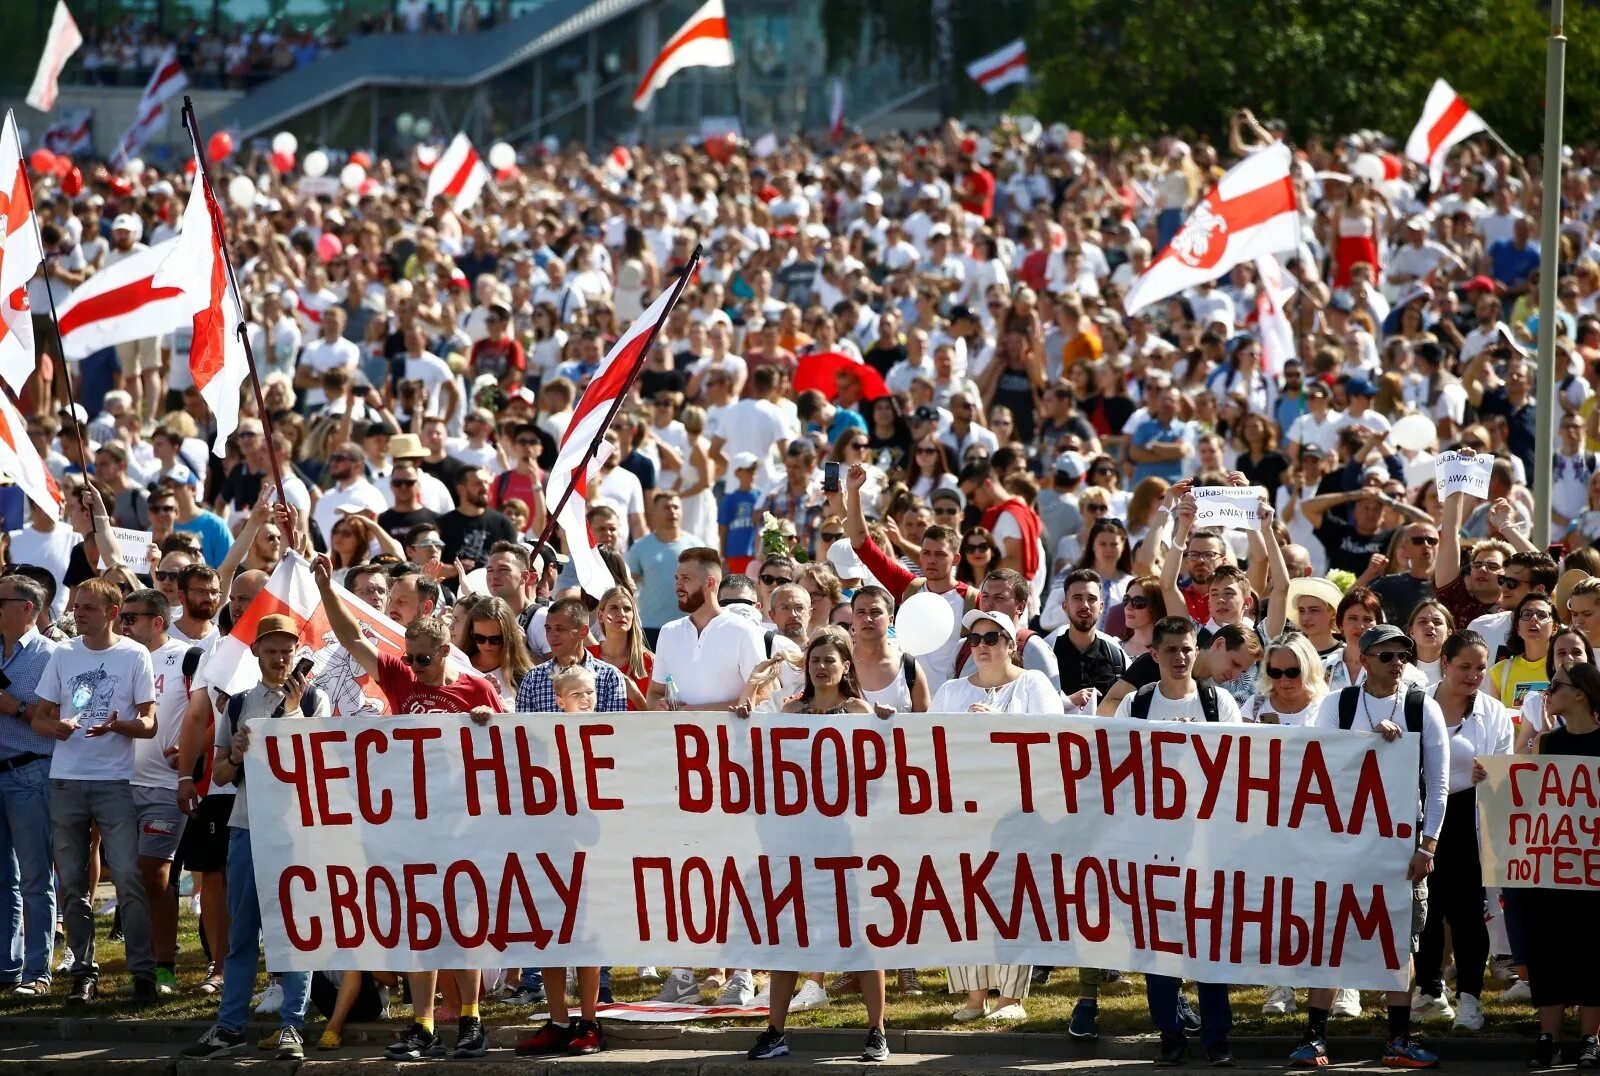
{"x":1089,"y":660}
{"x":350,"y":492}
{"x":472,"y":529}
{"x":412,"y":595}
{"x":650,"y":557}
{"x":201,"y":598}
{"x":710,"y":653}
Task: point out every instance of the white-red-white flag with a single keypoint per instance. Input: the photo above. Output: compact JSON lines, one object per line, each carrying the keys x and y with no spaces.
{"x":619,"y":163}
{"x":21,"y":460}
{"x":20,"y":255}
{"x":1001,"y":68}
{"x":703,"y":41}
{"x":150,"y":116}
{"x":836,"y":110}
{"x":589,"y":419}
{"x":460,"y":175}
{"x":1250,"y":212}
{"x":71,"y":133}
{"x":1274,"y":287}
{"x":197,"y":266}
{"x":1446,"y":120}
{"x":120,"y":303}
{"x":64,"y":39}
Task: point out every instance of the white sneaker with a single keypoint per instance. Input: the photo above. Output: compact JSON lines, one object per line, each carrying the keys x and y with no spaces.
{"x":763,"y":1000}
{"x":679,"y":988}
{"x":649,"y":974}
{"x":741,"y":989}
{"x":1007,"y":1013}
{"x":809,"y":996}
{"x":1346,"y":1003}
{"x":1469,"y":1014}
{"x":1428,"y":1007}
{"x":270,"y":999}
{"x":1517,"y":991}
{"x":1280,"y":1000}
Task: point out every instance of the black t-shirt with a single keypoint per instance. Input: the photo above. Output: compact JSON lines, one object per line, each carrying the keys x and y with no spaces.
{"x":1520,"y":438}
{"x":1015,"y":391}
{"x":1347,"y":550}
{"x":1400,"y":593}
{"x":1142,"y":671}
{"x":446,"y":470}
{"x":883,"y":359}
{"x":1100,"y":666}
{"x":399,"y":523}
{"x":1266,"y":472}
{"x":652,"y":382}
{"x":241,"y":488}
{"x":470,"y":537}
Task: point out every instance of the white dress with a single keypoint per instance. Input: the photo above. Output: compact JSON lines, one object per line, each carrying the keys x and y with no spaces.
{"x":1030,"y":693}
{"x":699,"y":511}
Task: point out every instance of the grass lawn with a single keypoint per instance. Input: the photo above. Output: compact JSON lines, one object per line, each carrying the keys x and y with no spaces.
{"x":1048,"y":1010}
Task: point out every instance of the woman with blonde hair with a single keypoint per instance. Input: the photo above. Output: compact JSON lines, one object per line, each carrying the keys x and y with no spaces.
{"x":696,"y":477}
{"x":1291,"y":684}
{"x":496,"y":646}
{"x":1177,"y":188}
{"x":821,"y":582}
{"x":622,"y":640}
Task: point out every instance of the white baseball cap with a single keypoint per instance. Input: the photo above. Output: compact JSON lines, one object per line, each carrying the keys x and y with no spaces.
{"x":1003,"y":622}
{"x":742,"y":460}
{"x":128,"y":222}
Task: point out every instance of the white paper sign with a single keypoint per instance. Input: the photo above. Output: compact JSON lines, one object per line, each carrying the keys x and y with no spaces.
{"x":1229,"y":507}
{"x":135,"y":549}
{"x":1455,"y":473}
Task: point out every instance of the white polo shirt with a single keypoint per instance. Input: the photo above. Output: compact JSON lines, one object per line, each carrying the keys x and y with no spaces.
{"x":711,"y":665}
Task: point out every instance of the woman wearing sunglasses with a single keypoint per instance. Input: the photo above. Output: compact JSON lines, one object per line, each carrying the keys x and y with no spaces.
{"x":1533,"y":626}
{"x":996,"y":686}
{"x":1103,"y":474}
{"x":1142,"y":606}
{"x":1568,"y":647}
{"x":496,"y":645}
{"x":1562,"y":949}
{"x":1291,"y":684}
{"x":1475,"y":725}
{"x":980,"y":554}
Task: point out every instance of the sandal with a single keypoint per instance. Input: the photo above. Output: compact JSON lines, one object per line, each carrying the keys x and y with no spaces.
{"x":211,"y":984}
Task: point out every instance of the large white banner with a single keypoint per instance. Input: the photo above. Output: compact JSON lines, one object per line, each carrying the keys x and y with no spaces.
{"x":1234,"y":854}
{"x":1539,"y":821}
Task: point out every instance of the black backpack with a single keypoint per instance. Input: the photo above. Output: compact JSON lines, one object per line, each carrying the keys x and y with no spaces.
{"x":1349,"y":696}
{"x":311,"y":700}
{"x":1140,"y":706}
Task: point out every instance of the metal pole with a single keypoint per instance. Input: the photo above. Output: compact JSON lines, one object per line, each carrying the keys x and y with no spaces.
{"x":1549,"y":261}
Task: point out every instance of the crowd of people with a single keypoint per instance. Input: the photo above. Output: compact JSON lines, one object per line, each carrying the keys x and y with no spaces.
{"x":902,"y":369}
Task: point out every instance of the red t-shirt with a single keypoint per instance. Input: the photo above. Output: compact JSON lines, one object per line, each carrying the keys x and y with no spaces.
{"x":514,"y":484}
{"x":408,"y":696}
{"x":977,"y":192}
{"x":1034,"y":268}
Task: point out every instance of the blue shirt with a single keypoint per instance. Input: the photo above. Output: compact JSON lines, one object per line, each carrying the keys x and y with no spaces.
{"x":215,"y":538}
{"x":738,"y":513}
{"x":1510,"y":264}
{"x":1149,"y":432}
{"x":654,"y":565}
{"x":535,"y":695}
{"x":24,"y":667}
{"x":844,"y":421}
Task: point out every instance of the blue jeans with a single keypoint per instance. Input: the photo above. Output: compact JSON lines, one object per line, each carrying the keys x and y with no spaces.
{"x":28,"y":889}
{"x":74,"y":806}
{"x":1168,"y":223}
{"x":1216,"y":1016}
{"x":533,"y":978}
{"x":244,"y":947}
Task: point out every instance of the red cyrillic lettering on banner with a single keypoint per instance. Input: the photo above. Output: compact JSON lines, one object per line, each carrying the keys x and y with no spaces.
{"x":928,"y":896}
{"x":1090,"y":884}
{"x":477,"y":901}
{"x":865,"y":745}
{"x":733,"y":894}
{"x":493,"y":764}
{"x":538,"y":782}
{"x":418,"y":738}
{"x":830,"y":797}
{"x":1129,"y":895}
{"x":786,"y":773}
{"x":311,"y":941}
{"x":593,"y":765}
{"x":708,"y":899}
{"x":791,"y":897}
{"x":1580,"y":792}
{"x":563,"y":759}
{"x":515,"y":890}
{"x":1318,"y":923}
{"x":368,"y":743}
{"x":386,"y":934}
{"x":1368,"y":923}
{"x":1155,"y":906}
{"x":758,"y":784}
{"x":975,"y":891}
{"x":424,"y":928}
{"x":912,"y":784}
{"x":344,"y":907}
{"x":1164,"y":776}
{"x":1026,"y":890}
{"x":1315,"y":789}
{"x":887,"y":891}
{"x":735,"y":784}
{"x":1370,"y":795}
{"x":1516,"y":770}
{"x":1076,"y":763}
{"x":322,"y":773}
{"x":1244,"y":916}
{"x":1130,"y":769}
{"x":694,"y":770}
{"x":295,"y":775}
{"x":1215,"y":768}
{"x":941,"y":770}
{"x":1022,"y":742}
{"x":1294,"y":933}
{"x":1269,"y":786}
{"x":1199,"y":911}
{"x":663,"y":866}
{"x":839,"y":866}
{"x":569,"y":893}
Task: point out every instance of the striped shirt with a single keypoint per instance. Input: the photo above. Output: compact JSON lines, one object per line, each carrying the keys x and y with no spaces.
{"x":536,"y":695}
{"x":24,"y":667}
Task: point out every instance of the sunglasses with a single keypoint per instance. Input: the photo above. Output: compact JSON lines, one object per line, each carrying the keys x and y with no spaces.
{"x":978,"y":548}
{"x":417,"y":661}
{"x":428,"y":543}
{"x":1423,"y":539}
{"x":986,"y":638}
{"x":1101,"y":509}
{"x":1534,"y":616}
{"x":1104,"y":470}
{"x":1508,"y":581}
{"x":1137,"y":603}
{"x":1279,"y":674}
{"x":130,"y":619}
{"x":1560,"y":683}
{"x":837,"y":536}
{"x":774,"y":580}
{"x":926,"y":451}
{"x":488,"y":640}
{"x":163,"y":508}
{"x":1386,"y":656}
{"x":166,"y":577}
{"x":402,"y":483}
{"x":947,"y":510}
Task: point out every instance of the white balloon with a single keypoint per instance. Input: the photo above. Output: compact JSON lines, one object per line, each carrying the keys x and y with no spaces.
{"x":924,"y":623}
{"x":134,"y":168}
{"x":477,"y":581}
{"x":423,"y":127}
{"x":405,"y":123}
{"x":1415,"y":433}
{"x":315,"y":165}
{"x":1369,"y":166}
{"x":352,"y":176}
{"x":502,"y":156}
{"x":285,"y":142}
{"x":242,"y":192}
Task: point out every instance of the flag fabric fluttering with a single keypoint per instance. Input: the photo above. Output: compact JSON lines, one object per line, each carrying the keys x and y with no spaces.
{"x":20,"y":255}
{"x":1274,"y":288}
{"x":703,"y":41}
{"x":460,"y":175}
{"x":21,"y":460}
{"x":1250,"y":212}
{"x":836,"y":110}
{"x":588,"y":425}
{"x":63,"y":40}
{"x":1446,"y":120}
{"x":121,"y":303}
{"x":72,"y":133}
{"x":150,"y":116}
{"x":197,"y":267}
{"x":1001,"y":68}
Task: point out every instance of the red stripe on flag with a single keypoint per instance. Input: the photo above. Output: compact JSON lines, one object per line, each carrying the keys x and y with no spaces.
{"x":208,"y":353}
{"x":20,"y":195}
{"x":1446,"y":123}
{"x":1020,"y":60}
{"x":116,"y":303}
{"x":464,"y":173}
{"x":705,"y":30}
{"x":611,"y":382}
